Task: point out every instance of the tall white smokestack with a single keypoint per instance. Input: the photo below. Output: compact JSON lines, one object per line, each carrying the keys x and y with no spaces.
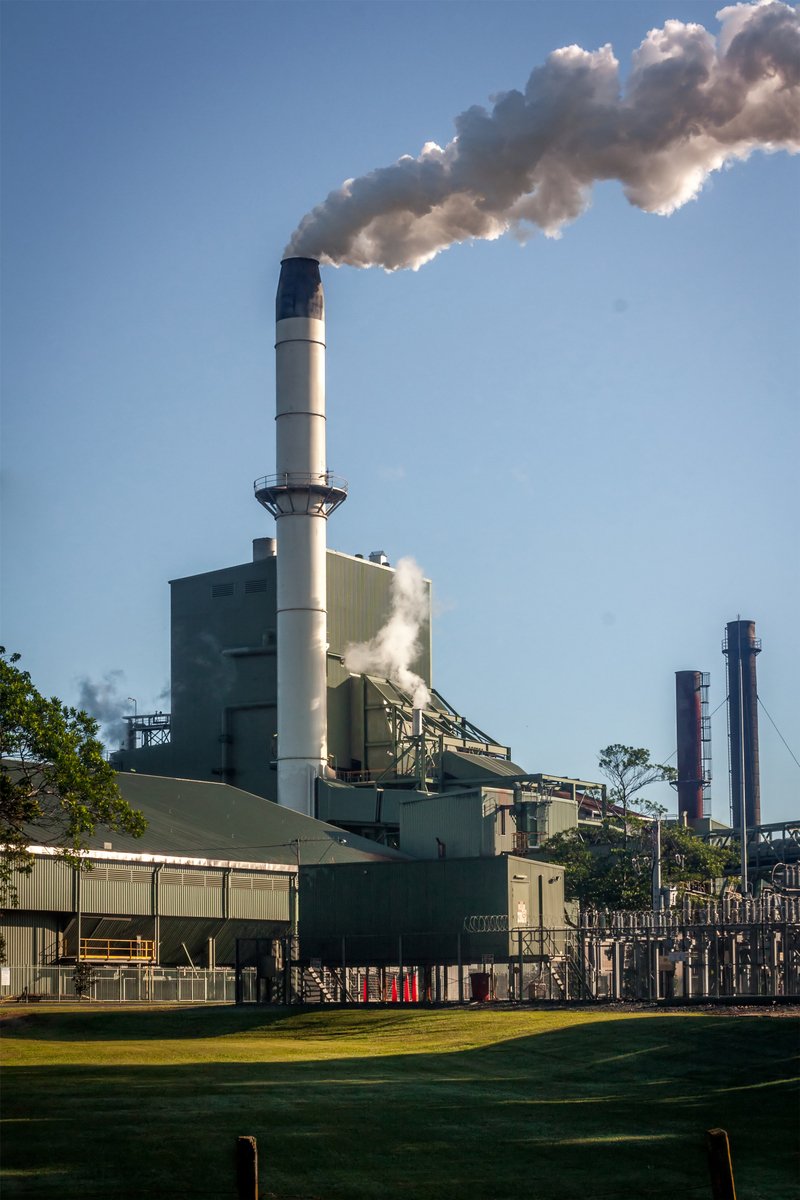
{"x":300,"y":496}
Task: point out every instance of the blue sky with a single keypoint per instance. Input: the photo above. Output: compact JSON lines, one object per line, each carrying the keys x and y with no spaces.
{"x":589,"y":444}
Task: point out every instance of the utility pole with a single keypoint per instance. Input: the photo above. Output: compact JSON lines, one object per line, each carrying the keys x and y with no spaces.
{"x":657,"y":865}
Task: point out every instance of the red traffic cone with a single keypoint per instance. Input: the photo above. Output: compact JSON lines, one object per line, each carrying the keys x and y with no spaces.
{"x":414,"y":988}
{"x":366,"y":989}
{"x":406,"y":990}
{"x":394,"y":989}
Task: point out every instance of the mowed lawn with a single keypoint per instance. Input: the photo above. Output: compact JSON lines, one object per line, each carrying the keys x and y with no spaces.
{"x":462,"y":1103}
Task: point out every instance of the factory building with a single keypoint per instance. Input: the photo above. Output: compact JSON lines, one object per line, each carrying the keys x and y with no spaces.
{"x":269,"y":728}
{"x":224,"y":720}
{"x":214,"y":865}
{"x":223,"y":724}
{"x":285,"y":792}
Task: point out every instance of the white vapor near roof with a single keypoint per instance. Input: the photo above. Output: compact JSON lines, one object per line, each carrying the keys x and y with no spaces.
{"x":395,"y":646}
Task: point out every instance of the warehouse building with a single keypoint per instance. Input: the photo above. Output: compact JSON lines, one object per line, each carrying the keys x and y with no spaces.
{"x":215,"y":864}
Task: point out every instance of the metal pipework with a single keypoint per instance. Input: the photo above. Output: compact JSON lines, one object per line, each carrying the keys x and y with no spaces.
{"x":300,"y":496}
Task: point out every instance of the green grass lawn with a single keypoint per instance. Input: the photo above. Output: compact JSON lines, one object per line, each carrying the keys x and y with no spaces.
{"x":479,"y":1104}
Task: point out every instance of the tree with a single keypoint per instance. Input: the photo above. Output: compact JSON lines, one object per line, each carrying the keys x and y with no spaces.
{"x":84,"y":977}
{"x":629,"y":769}
{"x":55,"y":785}
{"x":608,"y":867}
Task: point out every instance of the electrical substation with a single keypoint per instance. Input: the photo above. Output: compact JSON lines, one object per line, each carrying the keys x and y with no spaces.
{"x":321,"y":833}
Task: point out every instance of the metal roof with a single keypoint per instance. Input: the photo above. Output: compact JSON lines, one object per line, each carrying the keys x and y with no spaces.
{"x":464,"y":765}
{"x":203,"y":820}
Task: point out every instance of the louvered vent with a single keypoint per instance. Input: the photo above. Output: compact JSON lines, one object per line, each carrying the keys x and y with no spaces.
{"x":260,"y":883}
{"x":193,"y":879}
{"x":120,"y":875}
{"x":221,"y":589}
{"x":255,"y":585}
{"x":190,"y":879}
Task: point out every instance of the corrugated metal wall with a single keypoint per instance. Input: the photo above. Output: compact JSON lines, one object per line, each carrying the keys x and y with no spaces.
{"x":205,"y":898}
{"x":472,"y":823}
{"x":190,"y":893}
{"x":455,"y":819}
{"x":30,"y":938}
{"x":49,"y":886}
{"x":426,"y":904}
{"x":259,"y":896}
{"x":359,"y":602}
{"x":373,"y":904}
{"x":117,"y":888}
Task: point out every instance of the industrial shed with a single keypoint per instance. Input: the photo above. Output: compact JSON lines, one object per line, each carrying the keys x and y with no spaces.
{"x":437,"y":911}
{"x":214,"y":864}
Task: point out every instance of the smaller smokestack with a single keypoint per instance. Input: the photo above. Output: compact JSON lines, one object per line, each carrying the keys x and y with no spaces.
{"x":741,"y":647}
{"x":689,"y":721}
{"x":264,"y":547}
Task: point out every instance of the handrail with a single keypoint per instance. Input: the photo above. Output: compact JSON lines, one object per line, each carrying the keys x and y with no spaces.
{"x":118,"y":949}
{"x":324,"y":480}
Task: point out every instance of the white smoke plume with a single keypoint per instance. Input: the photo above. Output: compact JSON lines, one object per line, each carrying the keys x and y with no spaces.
{"x":103,"y":700}
{"x":691,"y":105}
{"x":397,"y":644}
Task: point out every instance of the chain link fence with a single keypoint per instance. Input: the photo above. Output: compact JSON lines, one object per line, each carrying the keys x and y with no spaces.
{"x":146,"y":984}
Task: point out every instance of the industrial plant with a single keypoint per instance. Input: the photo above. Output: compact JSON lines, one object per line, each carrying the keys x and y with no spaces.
{"x":324,"y":825}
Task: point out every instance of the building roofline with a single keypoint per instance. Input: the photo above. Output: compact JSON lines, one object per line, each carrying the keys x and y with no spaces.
{"x":167,"y":860}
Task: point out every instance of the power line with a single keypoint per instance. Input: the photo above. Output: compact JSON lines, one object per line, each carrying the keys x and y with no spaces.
{"x":780,"y":735}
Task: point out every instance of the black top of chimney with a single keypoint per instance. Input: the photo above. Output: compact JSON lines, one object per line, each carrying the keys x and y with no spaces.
{"x":299,"y":290}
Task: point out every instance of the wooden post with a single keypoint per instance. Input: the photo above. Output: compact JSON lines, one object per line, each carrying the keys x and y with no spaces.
{"x":460,"y":971}
{"x":719,"y":1165}
{"x":247,"y":1168}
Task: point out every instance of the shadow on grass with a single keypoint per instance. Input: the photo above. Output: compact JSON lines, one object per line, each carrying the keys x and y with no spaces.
{"x":600,"y":1109}
{"x":90,"y":1024}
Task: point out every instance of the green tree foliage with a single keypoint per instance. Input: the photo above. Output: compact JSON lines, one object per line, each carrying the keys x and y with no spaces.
{"x":55,"y":785}
{"x":629,"y":770}
{"x":84,"y":977}
{"x":607,"y":866}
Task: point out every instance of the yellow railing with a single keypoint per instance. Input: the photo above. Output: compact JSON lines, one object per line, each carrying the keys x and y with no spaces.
{"x":118,"y":949}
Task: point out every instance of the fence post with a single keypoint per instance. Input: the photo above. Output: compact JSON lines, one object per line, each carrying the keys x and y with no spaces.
{"x":719,"y":1165}
{"x":460,"y":972}
{"x":343,"y":992}
{"x":247,"y":1168}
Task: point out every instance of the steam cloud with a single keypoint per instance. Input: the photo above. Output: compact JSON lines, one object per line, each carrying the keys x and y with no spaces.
{"x":692,"y":104}
{"x":395,"y":647}
{"x":103,"y":700}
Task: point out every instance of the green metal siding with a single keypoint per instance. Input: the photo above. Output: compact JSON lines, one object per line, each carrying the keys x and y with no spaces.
{"x":456,"y":819}
{"x":259,"y":896}
{"x":187,"y":893}
{"x":117,"y":889}
{"x":523,"y":886}
{"x":359,"y":603}
{"x":130,"y":889}
{"x":374,"y":904}
{"x":425,"y":904}
{"x":30,"y":937}
{"x":472,"y":823}
{"x":49,"y":886}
